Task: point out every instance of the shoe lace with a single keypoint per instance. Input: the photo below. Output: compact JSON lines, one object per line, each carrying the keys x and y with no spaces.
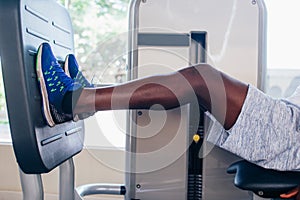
{"x":57,"y":79}
{"x":81,"y":79}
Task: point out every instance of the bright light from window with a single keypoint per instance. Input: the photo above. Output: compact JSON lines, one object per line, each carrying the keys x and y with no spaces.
{"x":283,"y":34}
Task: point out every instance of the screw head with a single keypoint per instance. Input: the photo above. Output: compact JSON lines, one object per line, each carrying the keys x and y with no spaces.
{"x":260,"y":193}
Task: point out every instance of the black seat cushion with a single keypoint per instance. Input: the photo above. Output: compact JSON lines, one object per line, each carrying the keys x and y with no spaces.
{"x":266,"y":183}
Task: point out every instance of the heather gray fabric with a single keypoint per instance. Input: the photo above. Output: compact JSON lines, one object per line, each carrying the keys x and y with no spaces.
{"x":267,"y":131}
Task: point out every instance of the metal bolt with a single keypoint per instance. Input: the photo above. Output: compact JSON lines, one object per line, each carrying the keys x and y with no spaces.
{"x":140,"y":113}
{"x":260,"y":193}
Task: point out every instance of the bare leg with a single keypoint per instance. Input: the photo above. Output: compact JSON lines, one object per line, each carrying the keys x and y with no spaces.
{"x":213,"y":89}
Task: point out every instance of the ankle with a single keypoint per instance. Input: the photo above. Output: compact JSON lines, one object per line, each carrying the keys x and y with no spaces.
{"x":70,"y":100}
{"x":85,"y":102}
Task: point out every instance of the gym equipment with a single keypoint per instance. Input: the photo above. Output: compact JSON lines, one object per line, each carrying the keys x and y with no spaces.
{"x":38,"y":148}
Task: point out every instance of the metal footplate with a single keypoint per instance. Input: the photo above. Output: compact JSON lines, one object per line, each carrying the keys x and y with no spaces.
{"x":24,"y":25}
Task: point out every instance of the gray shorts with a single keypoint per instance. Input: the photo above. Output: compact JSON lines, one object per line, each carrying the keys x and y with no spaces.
{"x":267,"y":132}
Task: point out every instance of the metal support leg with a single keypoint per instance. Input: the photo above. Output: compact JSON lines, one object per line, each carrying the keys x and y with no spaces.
{"x":32,"y":186}
{"x":66,"y":180}
{"x":109,"y":189}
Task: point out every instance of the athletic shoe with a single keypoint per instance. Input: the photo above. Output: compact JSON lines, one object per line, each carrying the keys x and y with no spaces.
{"x":71,"y":68}
{"x":54,"y":84}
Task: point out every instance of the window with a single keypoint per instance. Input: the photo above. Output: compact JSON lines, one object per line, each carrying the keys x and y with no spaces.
{"x":100,"y":28}
{"x":283,"y":69}
{"x":4,"y":125}
{"x":100,"y":38}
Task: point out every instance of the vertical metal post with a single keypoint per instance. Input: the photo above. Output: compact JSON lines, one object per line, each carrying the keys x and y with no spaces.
{"x":32,"y":186}
{"x":66,"y":180}
{"x":132,"y":73}
{"x":262,"y":45}
{"x":133,"y":26}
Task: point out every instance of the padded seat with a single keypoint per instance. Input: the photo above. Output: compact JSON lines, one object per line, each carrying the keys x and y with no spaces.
{"x":266,"y":183}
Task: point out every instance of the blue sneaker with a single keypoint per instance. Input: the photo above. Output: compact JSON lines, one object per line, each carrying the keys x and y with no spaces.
{"x":71,"y":68}
{"x":54,"y":84}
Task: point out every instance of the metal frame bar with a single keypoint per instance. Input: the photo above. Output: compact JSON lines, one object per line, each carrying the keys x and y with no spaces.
{"x":109,"y":189}
{"x":67,"y":189}
{"x":132,"y":62}
{"x":66,"y":180}
{"x":32,"y":186}
{"x":132,"y":72}
{"x":164,"y":39}
{"x":262,"y":45}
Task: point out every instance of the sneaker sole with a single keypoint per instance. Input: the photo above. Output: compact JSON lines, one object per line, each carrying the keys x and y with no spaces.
{"x":41,"y":80}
